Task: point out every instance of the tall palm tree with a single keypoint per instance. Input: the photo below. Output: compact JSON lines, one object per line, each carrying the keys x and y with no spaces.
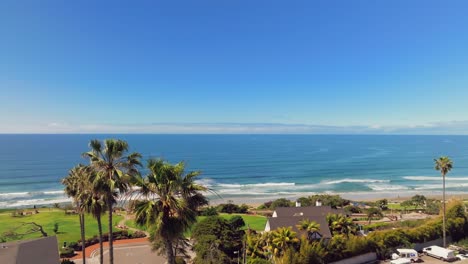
{"x":444,"y":165}
{"x":168,"y":201}
{"x":96,"y":205}
{"x":309,"y":226}
{"x":114,"y":168}
{"x":77,"y":186}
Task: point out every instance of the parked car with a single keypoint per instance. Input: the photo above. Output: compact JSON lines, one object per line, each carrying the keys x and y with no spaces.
{"x":462,"y":256}
{"x":440,"y":253}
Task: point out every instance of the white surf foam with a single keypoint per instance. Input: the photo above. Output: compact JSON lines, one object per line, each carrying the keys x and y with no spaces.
{"x":439,"y":186}
{"x":54,"y":192}
{"x":255,"y":185}
{"x":387,"y":187}
{"x":434,"y":178}
{"x":348,"y":180}
{"x":12,"y":195}
{"x":31,"y":202}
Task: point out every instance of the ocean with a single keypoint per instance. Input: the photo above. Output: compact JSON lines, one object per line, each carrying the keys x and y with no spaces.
{"x":32,"y":166}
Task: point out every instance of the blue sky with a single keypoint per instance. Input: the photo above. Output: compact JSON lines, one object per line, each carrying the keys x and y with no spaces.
{"x":234,"y":66}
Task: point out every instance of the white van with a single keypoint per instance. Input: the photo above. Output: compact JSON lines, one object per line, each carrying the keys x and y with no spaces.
{"x":440,"y":253}
{"x":406,"y":253}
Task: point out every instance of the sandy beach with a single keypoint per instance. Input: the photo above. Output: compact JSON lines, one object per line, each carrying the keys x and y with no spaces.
{"x":364,"y":196}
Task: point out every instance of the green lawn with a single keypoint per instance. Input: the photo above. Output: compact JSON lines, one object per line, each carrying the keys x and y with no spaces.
{"x":255,"y":222}
{"x":397,"y":206}
{"x":69,"y":225}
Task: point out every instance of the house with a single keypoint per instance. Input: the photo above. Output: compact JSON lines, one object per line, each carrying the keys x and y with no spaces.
{"x":308,"y":211}
{"x":277,"y":222}
{"x":37,"y":251}
{"x":291,"y":216}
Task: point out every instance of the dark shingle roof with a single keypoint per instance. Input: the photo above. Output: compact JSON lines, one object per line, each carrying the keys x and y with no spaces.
{"x":38,"y":251}
{"x":307,"y":211}
{"x":277,"y":222}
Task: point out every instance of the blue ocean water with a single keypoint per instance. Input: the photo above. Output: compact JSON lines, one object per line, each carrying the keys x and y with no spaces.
{"x":31,"y":166}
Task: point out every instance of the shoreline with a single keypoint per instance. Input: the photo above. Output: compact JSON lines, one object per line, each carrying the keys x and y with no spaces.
{"x":356,"y":196}
{"x":256,"y":200}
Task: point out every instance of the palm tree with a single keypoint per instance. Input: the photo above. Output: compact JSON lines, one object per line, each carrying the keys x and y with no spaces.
{"x":444,"y":165}
{"x":282,"y":239}
{"x":309,"y":226}
{"x":168,"y":202}
{"x":96,"y":205}
{"x":114,"y":168}
{"x":77,"y":186}
{"x":340,"y":224}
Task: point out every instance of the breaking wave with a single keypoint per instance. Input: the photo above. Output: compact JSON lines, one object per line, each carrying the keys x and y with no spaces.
{"x":348,"y":180}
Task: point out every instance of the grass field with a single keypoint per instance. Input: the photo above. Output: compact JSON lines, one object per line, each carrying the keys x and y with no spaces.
{"x":397,"y":206}
{"x":255,"y":222}
{"x":69,"y":225}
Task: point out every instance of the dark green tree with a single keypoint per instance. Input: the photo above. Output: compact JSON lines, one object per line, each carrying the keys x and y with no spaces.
{"x":418,"y":201}
{"x":373,"y":212}
{"x":216,"y":239}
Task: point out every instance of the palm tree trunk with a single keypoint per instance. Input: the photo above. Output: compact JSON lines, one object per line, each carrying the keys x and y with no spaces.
{"x":443,"y":200}
{"x":169,"y":253}
{"x":101,"y":247}
{"x":111,"y":236}
{"x":83,"y":239}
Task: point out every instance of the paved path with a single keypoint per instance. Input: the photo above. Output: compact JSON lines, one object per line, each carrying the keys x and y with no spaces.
{"x":93,"y":250}
{"x":134,"y":253}
{"x":125,"y":219}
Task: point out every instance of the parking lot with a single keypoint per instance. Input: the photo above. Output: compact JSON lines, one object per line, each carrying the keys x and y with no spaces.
{"x":431,"y":260}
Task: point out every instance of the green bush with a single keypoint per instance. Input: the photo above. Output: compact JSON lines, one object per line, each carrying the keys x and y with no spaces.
{"x":282,"y":202}
{"x":209,"y":211}
{"x":258,"y":261}
{"x":67,"y":261}
{"x":138,"y":234}
{"x":180,"y":260}
{"x":231,"y":208}
{"x":351,"y":209}
{"x":67,"y":252}
{"x":377,"y":226}
{"x":74,"y":245}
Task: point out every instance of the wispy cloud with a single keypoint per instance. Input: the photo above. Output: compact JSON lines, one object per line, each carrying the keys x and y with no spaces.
{"x":453,"y":127}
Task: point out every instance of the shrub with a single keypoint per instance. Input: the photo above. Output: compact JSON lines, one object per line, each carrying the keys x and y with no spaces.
{"x":67,"y":261}
{"x":138,"y":234}
{"x":56,"y":227}
{"x":180,"y":260}
{"x":304,"y":201}
{"x":74,"y":245}
{"x":282,"y":202}
{"x":233,"y":208}
{"x":353,"y":209}
{"x":209,"y":211}
{"x":67,"y":252}
{"x":237,"y":222}
{"x":258,"y":261}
